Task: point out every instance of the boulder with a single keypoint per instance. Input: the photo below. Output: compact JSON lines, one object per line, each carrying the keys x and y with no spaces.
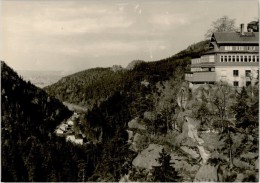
{"x":136,"y":138}
{"x":135,"y":124}
{"x":130,"y":136}
{"x":207,"y":173}
{"x":147,"y":158}
{"x":190,"y":151}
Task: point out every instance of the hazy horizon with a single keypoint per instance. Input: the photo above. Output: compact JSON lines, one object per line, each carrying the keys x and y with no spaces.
{"x":74,"y":36}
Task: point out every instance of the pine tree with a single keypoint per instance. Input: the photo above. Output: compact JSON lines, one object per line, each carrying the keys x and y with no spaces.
{"x":241,"y":108}
{"x":165,"y":172}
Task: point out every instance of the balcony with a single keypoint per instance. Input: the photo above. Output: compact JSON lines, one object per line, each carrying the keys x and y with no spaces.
{"x":201,"y":77}
{"x":203,"y":59}
{"x":208,"y":64}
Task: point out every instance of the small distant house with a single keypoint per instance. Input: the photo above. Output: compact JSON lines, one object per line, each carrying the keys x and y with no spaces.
{"x":70,"y":138}
{"x":59,"y":131}
{"x":73,"y":139}
{"x":69,"y":132}
{"x":75,"y":116}
{"x":78,"y":141}
{"x":71,"y":123}
{"x":62,"y":127}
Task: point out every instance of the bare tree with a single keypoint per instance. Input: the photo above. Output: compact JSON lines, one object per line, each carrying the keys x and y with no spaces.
{"x":223,"y":24}
{"x":221,"y":101}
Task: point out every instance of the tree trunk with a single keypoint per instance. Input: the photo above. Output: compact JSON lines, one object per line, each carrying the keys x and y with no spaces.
{"x":230,"y":150}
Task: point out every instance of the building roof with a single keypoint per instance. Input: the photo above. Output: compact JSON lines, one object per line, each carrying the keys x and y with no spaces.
{"x":212,"y":52}
{"x":236,"y":37}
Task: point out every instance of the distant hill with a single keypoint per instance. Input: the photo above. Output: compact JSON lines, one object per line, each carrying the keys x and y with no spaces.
{"x":92,"y":86}
{"x":86,"y":87}
{"x":42,"y":78}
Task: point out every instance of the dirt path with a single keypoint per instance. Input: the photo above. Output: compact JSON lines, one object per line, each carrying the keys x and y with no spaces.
{"x":193,"y":133}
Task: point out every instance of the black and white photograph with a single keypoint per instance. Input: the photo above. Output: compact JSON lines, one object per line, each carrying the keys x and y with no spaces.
{"x":129,"y":90}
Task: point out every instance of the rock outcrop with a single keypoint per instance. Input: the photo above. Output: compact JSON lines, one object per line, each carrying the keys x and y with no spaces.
{"x":134,"y":124}
{"x":207,"y":173}
{"x":147,"y":158}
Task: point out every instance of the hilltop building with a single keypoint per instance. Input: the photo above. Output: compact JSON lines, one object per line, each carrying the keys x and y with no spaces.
{"x":233,"y":58}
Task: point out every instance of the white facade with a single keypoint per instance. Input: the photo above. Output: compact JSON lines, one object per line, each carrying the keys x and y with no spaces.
{"x":78,"y":141}
{"x":236,"y":75}
{"x":63,"y":127}
{"x":70,"y":138}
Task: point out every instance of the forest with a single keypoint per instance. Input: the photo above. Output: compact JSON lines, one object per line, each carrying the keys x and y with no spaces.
{"x":30,"y":150}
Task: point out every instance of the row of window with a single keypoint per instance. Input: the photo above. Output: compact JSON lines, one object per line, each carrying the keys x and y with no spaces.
{"x":247,"y":73}
{"x":240,"y":48}
{"x":195,"y":61}
{"x":203,"y":59}
{"x":239,"y":58}
{"x":236,"y":83}
{"x":208,"y":69}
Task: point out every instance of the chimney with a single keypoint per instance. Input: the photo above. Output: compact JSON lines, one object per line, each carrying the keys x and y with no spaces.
{"x":242,"y":29}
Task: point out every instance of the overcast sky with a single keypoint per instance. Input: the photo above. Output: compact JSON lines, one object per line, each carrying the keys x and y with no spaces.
{"x":76,"y":35}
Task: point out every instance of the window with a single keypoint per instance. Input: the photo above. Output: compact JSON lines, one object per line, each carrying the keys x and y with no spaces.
{"x":235,"y":73}
{"x":251,"y":48}
{"x":225,"y":58}
{"x":240,"y":48}
{"x":237,"y":58}
{"x":248,"y":73}
{"x":257,"y":58}
{"x":235,"y":83}
{"x":242,"y":58}
{"x":221,"y":58}
{"x":249,"y":58}
{"x":211,"y":58}
{"x":248,"y":83}
{"x":228,"y":48}
{"x":253,"y":58}
{"x":245,"y":59}
{"x":229,"y":58}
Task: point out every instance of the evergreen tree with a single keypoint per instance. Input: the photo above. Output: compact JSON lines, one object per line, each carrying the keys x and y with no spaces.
{"x":202,"y":113}
{"x":165,"y":172}
{"x":241,"y":109}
